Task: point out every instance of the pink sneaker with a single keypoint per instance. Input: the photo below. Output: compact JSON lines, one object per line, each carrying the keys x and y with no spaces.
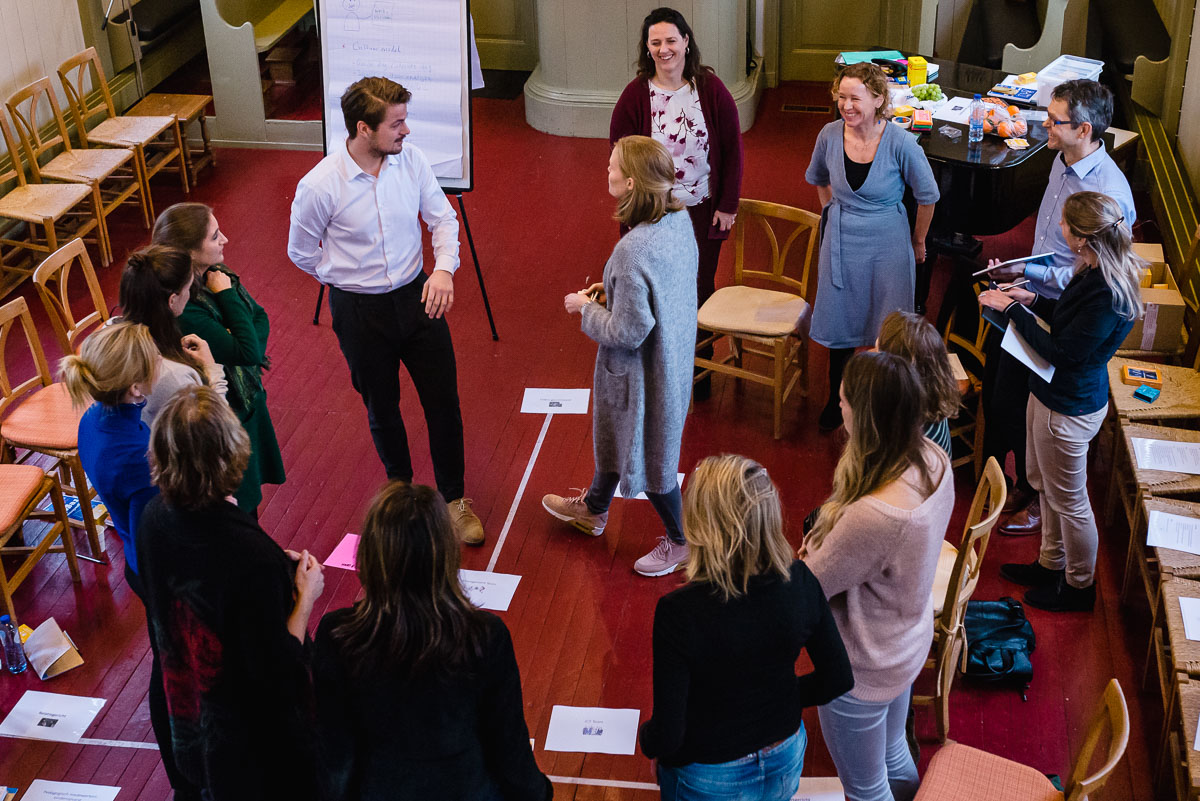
{"x":575,"y":511}
{"x":665,"y":557}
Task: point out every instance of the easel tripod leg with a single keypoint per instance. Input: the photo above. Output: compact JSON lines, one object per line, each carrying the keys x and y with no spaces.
{"x":478,"y":273}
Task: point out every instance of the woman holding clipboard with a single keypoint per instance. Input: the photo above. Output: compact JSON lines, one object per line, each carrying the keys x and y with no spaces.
{"x":1086,"y":326}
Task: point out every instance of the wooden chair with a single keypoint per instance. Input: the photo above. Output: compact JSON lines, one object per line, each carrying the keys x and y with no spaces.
{"x":966,"y":430}
{"x":774,"y":322}
{"x":185,"y":109}
{"x":113,"y":173}
{"x":961,"y":773}
{"x":37,"y":416}
{"x":42,"y":208}
{"x":23,"y":487}
{"x":52,"y":278}
{"x":146,"y":135}
{"x":954,"y":584}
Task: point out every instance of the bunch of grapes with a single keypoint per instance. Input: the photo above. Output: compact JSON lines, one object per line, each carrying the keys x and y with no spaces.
{"x":927,"y":91}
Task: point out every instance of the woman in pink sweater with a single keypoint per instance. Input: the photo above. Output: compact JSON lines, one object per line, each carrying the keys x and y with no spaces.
{"x":874,"y":548}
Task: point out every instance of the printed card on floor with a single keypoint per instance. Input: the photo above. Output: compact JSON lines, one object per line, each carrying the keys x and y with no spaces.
{"x":343,"y":555}
{"x":51,"y":716}
{"x":641,"y":496}
{"x":820,"y":788}
{"x":42,"y":790}
{"x":1177,"y":532}
{"x":592,"y":730}
{"x":1190,"y":609}
{"x":555,"y":401}
{"x":489,"y":590}
{"x":1161,"y":454}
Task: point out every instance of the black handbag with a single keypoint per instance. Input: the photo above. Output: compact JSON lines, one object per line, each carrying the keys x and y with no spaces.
{"x":1000,"y":641}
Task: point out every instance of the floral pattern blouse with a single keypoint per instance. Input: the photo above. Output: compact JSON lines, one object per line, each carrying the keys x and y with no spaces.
{"x":677,"y":122}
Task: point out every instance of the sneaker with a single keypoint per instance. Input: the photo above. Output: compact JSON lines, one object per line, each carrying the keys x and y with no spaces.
{"x":466,"y":523}
{"x":1062,"y":597}
{"x":1030,"y":575}
{"x":665,"y":557}
{"x":576,"y":512}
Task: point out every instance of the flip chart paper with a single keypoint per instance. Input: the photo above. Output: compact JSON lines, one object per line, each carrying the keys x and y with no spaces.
{"x":592,"y":730}
{"x":555,"y":401}
{"x":641,"y":496}
{"x":1161,"y":454}
{"x":343,"y":555}
{"x":1015,"y":344}
{"x":51,"y":716}
{"x":42,"y":790}
{"x":1177,"y":532}
{"x":489,"y":590}
{"x":820,"y":788}
{"x":1190,"y":609}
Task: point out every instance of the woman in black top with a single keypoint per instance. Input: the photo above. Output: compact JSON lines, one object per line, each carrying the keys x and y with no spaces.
{"x":727,"y":700}
{"x":228,"y":612}
{"x":1087,"y":324}
{"x":418,"y":693}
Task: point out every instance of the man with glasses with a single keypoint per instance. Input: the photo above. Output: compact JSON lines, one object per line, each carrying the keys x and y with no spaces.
{"x":1078,"y":114}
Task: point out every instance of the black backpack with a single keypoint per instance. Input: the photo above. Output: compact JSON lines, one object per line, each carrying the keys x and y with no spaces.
{"x":1000,"y":641}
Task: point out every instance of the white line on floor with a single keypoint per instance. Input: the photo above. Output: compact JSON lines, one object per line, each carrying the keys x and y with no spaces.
{"x":118,"y":743}
{"x":604,"y":783}
{"x":512,"y":511}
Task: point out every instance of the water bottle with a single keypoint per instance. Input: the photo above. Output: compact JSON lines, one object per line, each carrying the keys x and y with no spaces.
{"x":14,"y":651}
{"x":975,"y":126}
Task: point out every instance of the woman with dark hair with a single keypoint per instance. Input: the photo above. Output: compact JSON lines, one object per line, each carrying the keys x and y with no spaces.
{"x":228,"y":611}
{"x":875,"y":548}
{"x":911,"y":336}
{"x":643,"y":316}
{"x":155,"y":286}
{"x":222,"y":312}
{"x":418,"y":691}
{"x":682,"y":104}
{"x":727,"y":700}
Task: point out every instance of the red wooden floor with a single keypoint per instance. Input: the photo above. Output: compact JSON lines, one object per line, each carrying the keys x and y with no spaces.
{"x":581,"y":620}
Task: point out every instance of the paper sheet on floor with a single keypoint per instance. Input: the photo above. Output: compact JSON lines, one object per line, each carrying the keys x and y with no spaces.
{"x":1190,"y":609}
{"x":343,"y":555}
{"x":1161,"y":454}
{"x":1177,"y":532}
{"x":555,"y":401}
{"x":489,"y":590}
{"x":592,"y":730}
{"x":42,"y":790}
{"x":1016,"y":345}
{"x":641,"y":496}
{"x":820,"y":788}
{"x":51,"y":716}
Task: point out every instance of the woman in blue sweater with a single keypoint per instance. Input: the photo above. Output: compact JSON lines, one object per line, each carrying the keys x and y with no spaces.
{"x":1087,"y":324}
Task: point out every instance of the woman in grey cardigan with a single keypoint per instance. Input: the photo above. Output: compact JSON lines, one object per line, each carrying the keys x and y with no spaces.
{"x":643,"y":317}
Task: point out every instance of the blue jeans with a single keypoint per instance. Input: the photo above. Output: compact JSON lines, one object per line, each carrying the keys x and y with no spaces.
{"x":768,"y":774}
{"x":866,"y":740}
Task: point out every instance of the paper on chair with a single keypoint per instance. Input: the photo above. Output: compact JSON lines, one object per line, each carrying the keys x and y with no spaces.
{"x":820,"y":788}
{"x":51,"y":716}
{"x":592,"y":730}
{"x":489,"y":590}
{"x":1189,"y":608}
{"x":641,"y":496}
{"x":1177,"y":532}
{"x":1016,"y":345}
{"x":42,"y":790}
{"x":1161,"y":454}
{"x":555,"y":401}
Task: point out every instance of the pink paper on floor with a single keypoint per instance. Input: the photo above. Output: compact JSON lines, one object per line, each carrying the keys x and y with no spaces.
{"x":343,"y":555}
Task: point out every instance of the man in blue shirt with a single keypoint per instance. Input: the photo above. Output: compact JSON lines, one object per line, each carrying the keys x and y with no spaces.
{"x":1078,"y":114}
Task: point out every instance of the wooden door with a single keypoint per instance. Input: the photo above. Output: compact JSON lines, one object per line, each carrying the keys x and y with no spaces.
{"x":506,"y":33}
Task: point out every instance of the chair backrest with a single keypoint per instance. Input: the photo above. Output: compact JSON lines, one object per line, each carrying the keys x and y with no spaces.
{"x":52,"y":278}
{"x":74,"y":73}
{"x":1111,"y":711}
{"x":10,"y":313}
{"x":17,"y":170}
{"x":774,"y":219}
{"x":985,"y":511}
{"x":27,"y":125}
{"x":956,"y":341}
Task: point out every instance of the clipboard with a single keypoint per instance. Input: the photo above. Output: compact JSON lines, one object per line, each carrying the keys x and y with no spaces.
{"x":1018,"y":260}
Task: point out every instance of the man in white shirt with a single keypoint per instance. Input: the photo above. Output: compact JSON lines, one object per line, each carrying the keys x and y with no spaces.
{"x":354,"y":227}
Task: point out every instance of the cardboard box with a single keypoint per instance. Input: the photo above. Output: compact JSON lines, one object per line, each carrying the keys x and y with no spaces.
{"x":1161,"y":326}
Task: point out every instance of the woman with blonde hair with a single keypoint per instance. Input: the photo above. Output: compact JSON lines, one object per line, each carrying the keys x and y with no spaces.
{"x":911,"y":337}
{"x":874,"y":548}
{"x":1088,"y":322}
{"x":727,"y":701}
{"x":643,"y":316}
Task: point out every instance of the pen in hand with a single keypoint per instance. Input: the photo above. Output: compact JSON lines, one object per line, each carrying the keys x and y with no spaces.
{"x":1014,"y":285}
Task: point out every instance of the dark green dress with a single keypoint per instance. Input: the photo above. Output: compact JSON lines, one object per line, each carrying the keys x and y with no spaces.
{"x":236,"y":328}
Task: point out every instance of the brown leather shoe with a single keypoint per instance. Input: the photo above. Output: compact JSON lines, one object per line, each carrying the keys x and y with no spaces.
{"x":1017,"y":500}
{"x":1026,"y":521}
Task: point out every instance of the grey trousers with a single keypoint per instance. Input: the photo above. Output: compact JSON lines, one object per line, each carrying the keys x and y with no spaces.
{"x":1056,"y":460}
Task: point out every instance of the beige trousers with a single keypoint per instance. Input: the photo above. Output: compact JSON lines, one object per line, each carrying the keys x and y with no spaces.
{"x":1056,"y":459}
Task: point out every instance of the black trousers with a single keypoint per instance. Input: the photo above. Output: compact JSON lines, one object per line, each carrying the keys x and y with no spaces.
{"x":376,"y":334}
{"x":1005,"y":396}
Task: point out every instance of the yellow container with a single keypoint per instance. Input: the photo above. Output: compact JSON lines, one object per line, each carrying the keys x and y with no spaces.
{"x":918,"y":69}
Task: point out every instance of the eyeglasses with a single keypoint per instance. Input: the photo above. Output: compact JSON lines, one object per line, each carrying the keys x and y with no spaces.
{"x":1053,"y":121}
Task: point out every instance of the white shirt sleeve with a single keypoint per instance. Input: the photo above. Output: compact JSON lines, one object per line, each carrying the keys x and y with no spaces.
{"x":440,"y":218}
{"x":311,"y":212}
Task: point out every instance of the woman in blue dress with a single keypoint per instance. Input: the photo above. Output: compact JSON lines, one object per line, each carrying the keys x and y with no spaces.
{"x":860,"y":167}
